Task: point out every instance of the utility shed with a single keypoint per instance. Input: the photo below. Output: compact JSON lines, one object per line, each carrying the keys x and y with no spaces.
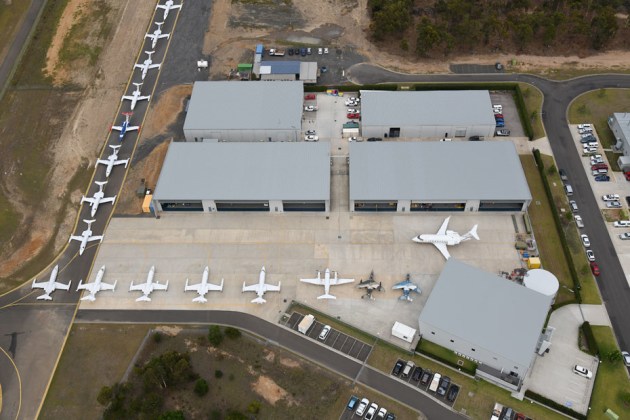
{"x":430,"y":114}
{"x":244,"y":111}
{"x":404,"y":332}
{"x":487,"y":319}
{"x":223,"y":176}
{"x":437,"y":176}
{"x":619,"y":123}
{"x":279,"y":70}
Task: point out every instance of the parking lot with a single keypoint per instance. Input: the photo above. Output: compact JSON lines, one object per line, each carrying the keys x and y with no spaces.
{"x":416,"y":375}
{"x":335,"y":339}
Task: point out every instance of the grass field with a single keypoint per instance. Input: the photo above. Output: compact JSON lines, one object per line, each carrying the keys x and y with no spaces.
{"x":95,"y":355}
{"x":596,"y":106}
{"x":11,"y":13}
{"x":611,"y":381}
{"x":533,"y":99}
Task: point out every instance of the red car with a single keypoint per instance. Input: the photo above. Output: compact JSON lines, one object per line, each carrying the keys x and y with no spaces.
{"x":595,"y":268}
{"x":599,"y":166}
{"x":353,"y":116}
{"x":498,"y":116}
{"x":309,"y":97}
{"x":627,"y":175}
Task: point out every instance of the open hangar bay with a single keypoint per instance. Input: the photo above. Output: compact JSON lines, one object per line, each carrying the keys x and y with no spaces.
{"x":293,"y":246}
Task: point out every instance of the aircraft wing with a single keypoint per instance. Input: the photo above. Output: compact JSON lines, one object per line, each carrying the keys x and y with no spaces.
{"x":75,"y":238}
{"x":117,"y":128}
{"x":95,"y":238}
{"x":152,"y":36}
{"x":340,"y":281}
{"x":120,"y":162}
{"x":88,"y":199}
{"x":132,"y":128}
{"x":108,"y":200}
{"x":442,"y":248}
{"x":138,"y":66}
{"x":128,"y":97}
{"x":442,"y":230}
{"x":39,"y":285}
{"x":164,"y":35}
{"x":154,"y":66}
{"x":400,"y":285}
{"x":271,"y":288}
{"x":252,"y":288}
{"x":191,"y":287}
{"x":159,"y":286}
{"x":62,"y":286}
{"x":107,"y":286}
{"x":90,"y":287}
{"x":102,"y":161}
{"x":137,"y":287}
{"x":142,"y":98}
{"x":318,"y":282}
{"x":159,"y":6}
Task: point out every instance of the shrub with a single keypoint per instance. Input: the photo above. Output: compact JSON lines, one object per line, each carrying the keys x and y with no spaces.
{"x":254,"y":407}
{"x":172,"y":415}
{"x":104,"y":396}
{"x":590,"y":338}
{"x":218,"y":374}
{"x":232,"y":333}
{"x":215,"y":336}
{"x":157,"y":337}
{"x":552,"y":404}
{"x":201,"y":387}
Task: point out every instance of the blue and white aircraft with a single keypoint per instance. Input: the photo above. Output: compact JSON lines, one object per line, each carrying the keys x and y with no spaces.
{"x":147,"y":64}
{"x":407,"y":287}
{"x":167,"y":7}
{"x":157,"y":34}
{"x":125,"y":126}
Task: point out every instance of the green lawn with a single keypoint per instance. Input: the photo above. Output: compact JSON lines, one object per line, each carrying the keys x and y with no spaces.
{"x":596,"y":106}
{"x":611,"y":380}
{"x":533,"y":99}
{"x":11,"y":13}
{"x":445,"y":354}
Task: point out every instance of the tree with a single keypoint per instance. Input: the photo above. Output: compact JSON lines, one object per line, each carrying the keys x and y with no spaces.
{"x":394,"y":18}
{"x":172,"y":415}
{"x":104,"y":396}
{"x":201,"y":387}
{"x":614,"y":356}
{"x":235,"y":415}
{"x":428,"y":37}
{"x":232,"y":333}
{"x":603,"y":27}
{"x":625,"y":398}
{"x":218,"y":374}
{"x":215,"y":336}
{"x":254,"y":407}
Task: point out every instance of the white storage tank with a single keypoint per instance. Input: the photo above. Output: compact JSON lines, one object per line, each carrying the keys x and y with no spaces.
{"x":542,"y":281}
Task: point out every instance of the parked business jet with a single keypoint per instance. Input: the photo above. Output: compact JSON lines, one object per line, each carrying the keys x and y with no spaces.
{"x":407,"y":286}
{"x":98,"y":198}
{"x":112,"y":160}
{"x":157,"y":34}
{"x":86,"y":236}
{"x":167,"y":7}
{"x":147,"y":64}
{"x":50,"y":286}
{"x":148,"y":287}
{"x":135,"y":96}
{"x":326,"y":282}
{"x":203,"y":287}
{"x":125,"y":126}
{"x":261,"y":287}
{"x":445,"y":237}
{"x":97,"y":286}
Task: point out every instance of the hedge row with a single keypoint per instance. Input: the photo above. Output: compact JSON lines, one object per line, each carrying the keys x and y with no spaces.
{"x":556,"y":218}
{"x":552,"y":404}
{"x":590,"y":338}
{"x":455,"y":366}
{"x":518,"y":95}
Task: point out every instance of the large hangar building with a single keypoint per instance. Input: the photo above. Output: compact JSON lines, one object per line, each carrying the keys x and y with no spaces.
{"x":245,"y":111}
{"x":437,"y":176}
{"x":265,"y":177}
{"x":429,"y":114}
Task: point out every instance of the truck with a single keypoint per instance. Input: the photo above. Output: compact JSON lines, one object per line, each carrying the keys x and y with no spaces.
{"x":306,"y":324}
{"x":276,"y":51}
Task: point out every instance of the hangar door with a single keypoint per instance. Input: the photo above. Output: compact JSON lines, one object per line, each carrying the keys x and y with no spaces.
{"x":304,"y":206}
{"x":242,"y":205}
{"x":501,"y":206}
{"x":181,"y":205}
{"x":417,"y":206}
{"x":375,"y":205}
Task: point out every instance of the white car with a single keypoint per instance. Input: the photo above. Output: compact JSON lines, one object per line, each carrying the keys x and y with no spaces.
{"x":320,"y":51}
{"x":610,"y":197}
{"x":353,"y":139}
{"x":371,"y":411}
{"x":585,"y":241}
{"x":589,"y":150}
{"x":595,"y":160}
{"x":586,"y":135}
{"x":621,"y":223}
{"x":583,"y":126}
{"x":354,"y":99}
{"x":626,"y":358}
{"x":585,"y":131}
{"x":352,"y":111}
{"x":310,"y":108}
{"x":624,"y":236}
{"x":312,"y":132}
{"x":324,"y":333}
{"x":362,"y":406}
{"x":325,"y":50}
{"x":613,"y":204}
{"x":578,"y":221}
{"x":381,"y":413}
{"x":582,"y":371}
{"x":590,"y":255}
{"x":311,"y":138}
{"x":446,"y":139}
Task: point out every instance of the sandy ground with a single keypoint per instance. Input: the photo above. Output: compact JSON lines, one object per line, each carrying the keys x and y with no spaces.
{"x":60,"y":73}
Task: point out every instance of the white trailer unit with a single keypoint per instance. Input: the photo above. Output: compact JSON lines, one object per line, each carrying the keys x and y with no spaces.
{"x":306,"y":323}
{"x":403,"y":332}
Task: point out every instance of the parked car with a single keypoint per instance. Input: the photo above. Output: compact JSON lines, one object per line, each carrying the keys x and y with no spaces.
{"x":610,"y":197}
{"x":352,"y":403}
{"x":390,"y":416}
{"x":599,"y":166}
{"x":626,"y":358}
{"x":325,"y":50}
{"x":500,"y":124}
{"x":353,"y":111}
{"x":498,"y":116}
{"x":589,"y":139}
{"x":563,"y":175}
{"x":302,"y":52}
{"x":578,"y":221}
{"x":621,"y":223}
{"x":353,"y":116}
{"x":290,"y":51}
{"x":585,"y":241}
{"x":320,"y":51}
{"x":595,"y":159}
{"x":382,"y":412}
{"x":582,"y":371}
{"x":310,"y":108}
{"x":628,"y":200}
{"x":309,"y":51}
{"x":602,"y":178}
{"x":311,"y":132}
{"x":613,"y":204}
{"x":324,"y":69}
{"x":583,"y":126}
{"x":324,"y":333}
{"x":417,"y":373}
{"x":371,"y":411}
{"x":475,"y":138}
{"x":624,"y":236}
{"x":444,"y":384}
{"x":446,"y":139}
{"x":594,"y":268}
{"x":452,"y":393}
{"x":597,"y":172}
{"x":426,"y":377}
{"x":503,"y":132}
{"x":398,"y":367}
{"x":351,"y":103}
{"x":311,"y":138}
{"x":309,"y":96}
{"x":362,"y":406}
{"x":585,"y":131}
{"x":375,"y":139}
{"x":574,"y":206}
{"x":627,"y":175}
{"x":590,"y":255}
{"x":408,"y":369}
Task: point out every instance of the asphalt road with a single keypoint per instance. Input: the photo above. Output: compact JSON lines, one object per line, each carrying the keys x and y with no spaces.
{"x":293,"y":341}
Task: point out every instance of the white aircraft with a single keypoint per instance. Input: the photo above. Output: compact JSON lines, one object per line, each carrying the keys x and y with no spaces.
{"x":261,"y":287}
{"x":86,"y":236}
{"x":147,"y":64}
{"x":50,"y":285}
{"x":203,"y":287}
{"x":407,"y":287}
{"x":445,"y":237}
{"x":112,"y":160}
{"x":167,"y":7}
{"x":98,"y":198}
{"x":148,"y":287}
{"x":157,"y":34}
{"x":97,"y":286}
{"x":135,"y":96}
{"x":327,"y":282}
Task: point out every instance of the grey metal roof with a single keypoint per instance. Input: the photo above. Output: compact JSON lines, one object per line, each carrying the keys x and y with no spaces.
{"x":490,"y":311}
{"x":457,"y":170}
{"x":283,"y":67}
{"x":450,"y":108}
{"x":623,"y":119}
{"x":245,"y":171}
{"x":245,"y":105}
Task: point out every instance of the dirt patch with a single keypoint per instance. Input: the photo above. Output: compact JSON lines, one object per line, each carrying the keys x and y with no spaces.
{"x":270,"y":391}
{"x":168,"y":330}
{"x":290,"y":363}
{"x":191,"y":345}
{"x":59,"y":73}
{"x":269,"y":356}
{"x":164,"y":111}
{"x":36,"y":242}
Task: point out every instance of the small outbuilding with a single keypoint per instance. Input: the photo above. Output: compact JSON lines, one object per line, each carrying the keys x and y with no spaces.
{"x":404,"y":332}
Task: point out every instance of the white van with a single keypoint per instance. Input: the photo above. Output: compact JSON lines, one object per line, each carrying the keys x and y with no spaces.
{"x":408,"y":368}
{"x":568,"y":189}
{"x":435,"y":382}
{"x":622,"y":223}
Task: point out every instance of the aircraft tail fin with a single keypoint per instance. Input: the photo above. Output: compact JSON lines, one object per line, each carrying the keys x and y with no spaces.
{"x":143,"y":298}
{"x":100,"y":183}
{"x":200,"y":299}
{"x":473,"y":233}
{"x":259,"y":300}
{"x":89,"y":297}
{"x":326,"y":296}
{"x":44,"y":297}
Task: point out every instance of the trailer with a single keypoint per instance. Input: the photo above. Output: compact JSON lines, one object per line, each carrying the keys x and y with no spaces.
{"x":306,"y":324}
{"x":403,"y":332}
